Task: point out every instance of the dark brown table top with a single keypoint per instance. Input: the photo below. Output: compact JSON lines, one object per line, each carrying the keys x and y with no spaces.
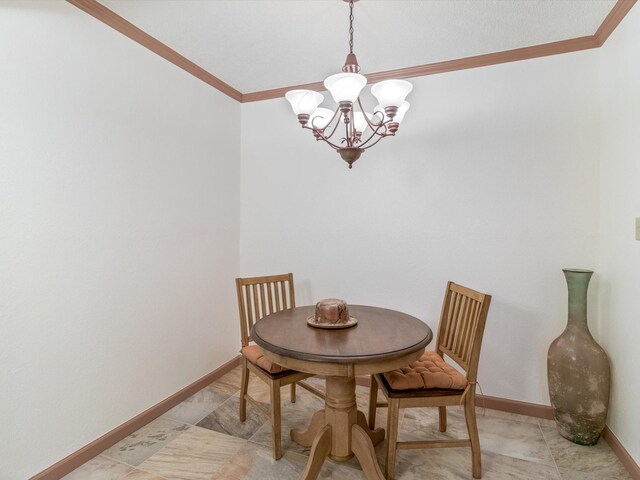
{"x":379,"y":334}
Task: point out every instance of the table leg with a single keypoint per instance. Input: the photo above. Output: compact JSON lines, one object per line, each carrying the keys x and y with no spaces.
{"x":366,"y":455}
{"x":340,"y":431}
{"x":376,"y":435}
{"x":341,"y":413}
{"x":319,"y":451}
{"x":306,"y":438}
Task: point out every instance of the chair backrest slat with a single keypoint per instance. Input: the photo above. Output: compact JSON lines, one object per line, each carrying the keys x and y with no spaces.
{"x":466,"y":327}
{"x":462,"y":322}
{"x":256,"y":297}
{"x":284,"y":295}
{"x":262,"y":301}
{"x":256,"y":306}
{"x":270,"y":296}
{"x":468,"y":335}
{"x":277,"y":295}
{"x":249,"y":307}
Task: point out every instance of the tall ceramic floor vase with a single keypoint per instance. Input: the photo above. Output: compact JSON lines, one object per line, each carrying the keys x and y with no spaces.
{"x":578,"y":370}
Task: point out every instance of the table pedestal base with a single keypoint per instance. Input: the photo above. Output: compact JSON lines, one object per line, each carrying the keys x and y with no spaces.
{"x":340,"y":431}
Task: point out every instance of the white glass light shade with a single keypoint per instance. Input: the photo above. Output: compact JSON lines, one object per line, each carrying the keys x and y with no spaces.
{"x":320,"y":118}
{"x":402,"y":109}
{"x":391,"y":93}
{"x":359,"y":121}
{"x":304,"y":101}
{"x":345,"y":87}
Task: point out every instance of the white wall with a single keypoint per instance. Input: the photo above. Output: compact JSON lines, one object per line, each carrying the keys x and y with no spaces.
{"x":619,"y":262}
{"x":492,"y":183}
{"x":119,"y":230}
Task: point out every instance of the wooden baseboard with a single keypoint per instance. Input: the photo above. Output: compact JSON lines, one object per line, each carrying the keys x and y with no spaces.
{"x":544,"y":411}
{"x":625,"y":458}
{"x":86,"y":453}
{"x":515,"y":406}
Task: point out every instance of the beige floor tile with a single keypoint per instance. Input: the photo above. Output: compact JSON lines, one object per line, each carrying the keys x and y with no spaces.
{"x":455,"y":464}
{"x":423,"y":424}
{"x":570,"y":456}
{"x":293,"y":415}
{"x":226,"y":419}
{"x":254,"y":462}
{"x":198,"y":406}
{"x":545,"y":422}
{"x":140,"y":445}
{"x":195,"y":455}
{"x":503,"y":436}
{"x":142,"y":475}
{"x":343,"y":471}
{"x":514,"y":439}
{"x":229,"y":382}
{"x":100,"y":468}
{"x":615,"y":472}
{"x":260,"y":392}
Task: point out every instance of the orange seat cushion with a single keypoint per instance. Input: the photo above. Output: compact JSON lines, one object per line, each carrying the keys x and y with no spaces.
{"x":255,"y":356}
{"x":429,"y":371}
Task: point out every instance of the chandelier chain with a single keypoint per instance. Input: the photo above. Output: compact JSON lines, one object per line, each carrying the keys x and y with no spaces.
{"x":351,"y":26}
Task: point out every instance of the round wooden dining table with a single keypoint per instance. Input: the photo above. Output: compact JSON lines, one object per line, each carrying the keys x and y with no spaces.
{"x":381,"y":341}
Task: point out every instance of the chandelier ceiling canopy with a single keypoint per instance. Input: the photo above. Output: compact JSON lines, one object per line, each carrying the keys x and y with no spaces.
{"x":346,"y":129}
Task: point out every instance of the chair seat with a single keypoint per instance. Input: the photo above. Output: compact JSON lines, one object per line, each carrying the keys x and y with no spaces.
{"x":253,"y":353}
{"x":430,"y":371}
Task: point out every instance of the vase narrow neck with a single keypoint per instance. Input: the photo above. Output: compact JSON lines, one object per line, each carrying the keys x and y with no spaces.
{"x":578,"y":285}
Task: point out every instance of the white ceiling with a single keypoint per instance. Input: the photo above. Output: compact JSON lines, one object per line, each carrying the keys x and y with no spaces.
{"x":262,"y":44}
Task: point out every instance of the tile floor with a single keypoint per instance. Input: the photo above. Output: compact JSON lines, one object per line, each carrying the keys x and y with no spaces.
{"x":202,"y":439}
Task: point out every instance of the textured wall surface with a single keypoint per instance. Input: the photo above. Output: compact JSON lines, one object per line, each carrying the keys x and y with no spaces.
{"x":619,"y":250}
{"x":119,"y":230}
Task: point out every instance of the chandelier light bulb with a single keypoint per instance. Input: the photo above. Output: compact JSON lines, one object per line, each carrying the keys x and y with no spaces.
{"x":345,"y":87}
{"x":304,"y":102}
{"x":391,"y":93}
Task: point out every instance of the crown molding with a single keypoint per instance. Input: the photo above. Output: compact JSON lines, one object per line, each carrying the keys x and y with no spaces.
{"x":544,"y":50}
{"x":115,"y":21}
{"x":609,"y":24}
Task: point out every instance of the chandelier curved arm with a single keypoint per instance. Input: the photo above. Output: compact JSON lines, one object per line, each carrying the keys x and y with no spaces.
{"x":379,"y":129}
{"x":380,"y":137}
{"x":377,"y":133}
{"x":321,"y":136}
{"x":320,"y":131}
{"x":313,"y":127}
{"x":369,"y":122}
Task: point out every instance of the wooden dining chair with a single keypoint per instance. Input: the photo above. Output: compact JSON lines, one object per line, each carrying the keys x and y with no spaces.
{"x":258,"y":297}
{"x":431,"y":382}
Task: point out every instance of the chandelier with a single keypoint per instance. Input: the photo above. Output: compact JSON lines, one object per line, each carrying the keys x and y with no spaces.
{"x":346,"y":130}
